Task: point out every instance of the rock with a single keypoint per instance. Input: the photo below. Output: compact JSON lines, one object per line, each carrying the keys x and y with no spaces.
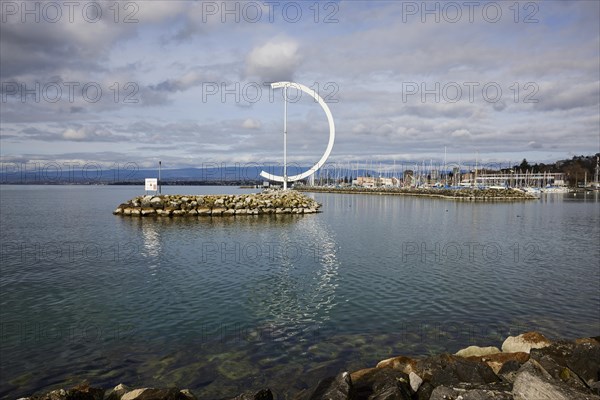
{"x":192,"y":212}
{"x":404,"y":364}
{"x":525,"y":342}
{"x":497,"y":360}
{"x":572,"y":362}
{"x":382,"y":383}
{"x":146,"y":201}
{"x":148,"y":211}
{"x":81,"y":392}
{"x":533,"y":382}
{"x":415,"y":381}
{"x":154,"y":394}
{"x":477,"y":351}
{"x":204,"y":211}
{"x":445,"y":393}
{"x":508,"y":372}
{"x":156,"y":202}
{"x":446,"y":369}
{"x":334,"y":388}
{"x":424,"y":392}
{"x":263,"y":394}
{"x":356,"y":375}
{"x":217,"y":211}
{"x":188,"y":394}
{"x":229,"y":211}
{"x":118,"y":392}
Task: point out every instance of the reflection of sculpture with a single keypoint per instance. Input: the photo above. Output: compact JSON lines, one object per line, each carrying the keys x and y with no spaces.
{"x":285,"y":179}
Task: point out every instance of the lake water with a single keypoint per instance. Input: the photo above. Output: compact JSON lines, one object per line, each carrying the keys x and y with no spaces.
{"x":224,"y":304}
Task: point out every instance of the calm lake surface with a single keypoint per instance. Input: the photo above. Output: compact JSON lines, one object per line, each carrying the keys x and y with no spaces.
{"x":224,"y":304}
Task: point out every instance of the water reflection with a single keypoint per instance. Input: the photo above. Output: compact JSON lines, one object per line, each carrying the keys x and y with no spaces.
{"x":297,"y":296}
{"x":152,"y":244}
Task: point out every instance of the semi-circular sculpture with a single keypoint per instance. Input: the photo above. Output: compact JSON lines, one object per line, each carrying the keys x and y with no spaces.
{"x":321,"y":162}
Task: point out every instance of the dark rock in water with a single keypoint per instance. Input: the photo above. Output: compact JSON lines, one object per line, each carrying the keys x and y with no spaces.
{"x":263,"y":394}
{"x":334,"y":388}
{"x":571,"y":362}
{"x":118,"y":392}
{"x":450,"y":370}
{"x":382,"y":383}
{"x":535,"y":383}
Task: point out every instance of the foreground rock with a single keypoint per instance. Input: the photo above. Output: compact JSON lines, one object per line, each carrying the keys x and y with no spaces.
{"x":267,"y":202}
{"x":548,"y":370}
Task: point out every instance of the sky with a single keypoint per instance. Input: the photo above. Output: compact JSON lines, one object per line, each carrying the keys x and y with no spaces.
{"x":187,"y":82}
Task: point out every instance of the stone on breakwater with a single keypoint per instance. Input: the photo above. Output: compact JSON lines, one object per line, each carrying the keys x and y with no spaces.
{"x":535,"y":383}
{"x":267,"y":202}
{"x":477,"y":351}
{"x":525,"y":342}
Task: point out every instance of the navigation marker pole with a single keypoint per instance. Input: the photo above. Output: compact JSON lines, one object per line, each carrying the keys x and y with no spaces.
{"x":285,"y":137}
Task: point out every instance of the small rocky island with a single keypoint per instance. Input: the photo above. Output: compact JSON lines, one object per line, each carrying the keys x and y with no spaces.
{"x":528,"y":367}
{"x":266,"y":202}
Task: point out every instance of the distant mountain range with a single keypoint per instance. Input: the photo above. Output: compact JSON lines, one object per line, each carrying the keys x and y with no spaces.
{"x":52,"y":174}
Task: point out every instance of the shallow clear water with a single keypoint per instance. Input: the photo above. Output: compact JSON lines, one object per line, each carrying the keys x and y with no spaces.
{"x":219,"y":305}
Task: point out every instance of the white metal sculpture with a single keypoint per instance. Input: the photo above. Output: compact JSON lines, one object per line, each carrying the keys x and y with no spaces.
{"x":285,"y":179}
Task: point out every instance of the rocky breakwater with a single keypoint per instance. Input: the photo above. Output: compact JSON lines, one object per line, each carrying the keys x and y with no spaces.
{"x":267,"y":202}
{"x":467,"y":194}
{"x":528,"y":367}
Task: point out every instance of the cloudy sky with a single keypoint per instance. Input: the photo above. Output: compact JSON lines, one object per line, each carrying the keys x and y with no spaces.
{"x":187,"y":82}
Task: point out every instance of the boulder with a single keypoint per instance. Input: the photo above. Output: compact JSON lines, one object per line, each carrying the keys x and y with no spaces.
{"x":333,"y":388}
{"x":477,"y":351}
{"x":575,"y":363}
{"x":81,"y":392}
{"x":382,"y":383}
{"x":525,"y":342}
{"x":446,"y":369}
{"x":263,"y":394}
{"x":533,"y":382}
{"x":118,"y":392}
{"x":156,"y":202}
{"x":155,"y":394}
{"x":404,"y":364}
{"x":497,"y":360}
{"x":146,"y":201}
{"x":445,"y":393}
{"x":415,"y":381}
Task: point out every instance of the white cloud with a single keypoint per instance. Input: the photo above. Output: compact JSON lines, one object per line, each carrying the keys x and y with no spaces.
{"x":276,"y":60}
{"x":251,"y":124}
{"x":461,"y":133}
